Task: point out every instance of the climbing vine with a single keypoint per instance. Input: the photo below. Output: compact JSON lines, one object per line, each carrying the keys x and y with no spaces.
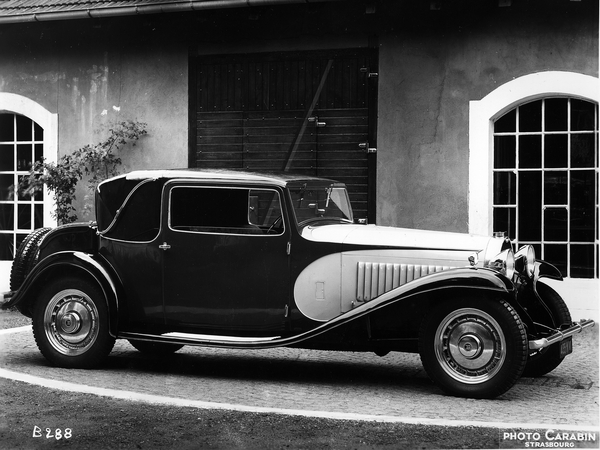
{"x":91,"y":164}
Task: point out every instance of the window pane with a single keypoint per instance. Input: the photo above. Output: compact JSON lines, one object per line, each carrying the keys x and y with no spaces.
{"x":530,"y":152}
{"x":530,"y":206}
{"x":582,"y":150}
{"x":555,"y":224}
{"x":21,"y":194}
{"x":505,"y":220}
{"x":7,"y":158}
{"x":582,"y":115}
{"x":24,"y":217}
{"x":555,"y":188}
{"x":557,"y":254}
{"x":555,"y":150}
{"x":530,"y":117}
{"x":582,"y":261}
{"x":24,"y":156}
{"x":6,"y":217}
{"x":556,"y":114}
{"x":6,"y":186}
{"x":507,"y":123}
{"x":211,"y":210}
{"x":24,"y":129}
{"x":582,"y":205}
{"x":39,"y":152}
{"x":504,"y":152}
{"x":39,"y":216}
{"x":38,"y":132}
{"x":6,"y":247}
{"x":7,"y":127}
{"x":505,"y":188}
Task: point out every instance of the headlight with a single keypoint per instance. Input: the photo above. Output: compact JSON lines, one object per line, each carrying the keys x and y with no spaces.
{"x":504,"y":262}
{"x":525,"y":260}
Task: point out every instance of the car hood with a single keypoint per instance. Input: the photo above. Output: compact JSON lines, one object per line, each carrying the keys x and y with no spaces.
{"x":391,"y":237}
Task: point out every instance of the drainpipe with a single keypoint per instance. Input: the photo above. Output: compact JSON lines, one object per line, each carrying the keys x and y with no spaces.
{"x":168,"y":7}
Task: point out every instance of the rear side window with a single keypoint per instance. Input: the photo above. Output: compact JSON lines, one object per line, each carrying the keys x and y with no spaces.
{"x":139,"y":218}
{"x":225,"y":210}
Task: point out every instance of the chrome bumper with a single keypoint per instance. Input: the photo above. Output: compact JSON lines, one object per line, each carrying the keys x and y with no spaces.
{"x":560,"y":335}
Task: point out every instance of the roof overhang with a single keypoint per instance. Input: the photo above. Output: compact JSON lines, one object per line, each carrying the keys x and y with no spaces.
{"x":33,"y":11}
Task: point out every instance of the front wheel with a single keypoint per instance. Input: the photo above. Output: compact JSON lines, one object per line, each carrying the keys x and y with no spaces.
{"x":70,"y":324}
{"x":473,"y":347}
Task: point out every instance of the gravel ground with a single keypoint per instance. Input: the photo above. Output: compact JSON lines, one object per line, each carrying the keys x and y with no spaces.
{"x":33,"y":417}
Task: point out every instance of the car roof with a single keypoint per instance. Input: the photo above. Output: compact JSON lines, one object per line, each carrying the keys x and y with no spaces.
{"x":275,"y":178}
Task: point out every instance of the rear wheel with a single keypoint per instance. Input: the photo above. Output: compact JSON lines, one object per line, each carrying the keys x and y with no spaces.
{"x":473,"y":347}
{"x":155,"y":348}
{"x":70,"y":324}
{"x":542,"y":361}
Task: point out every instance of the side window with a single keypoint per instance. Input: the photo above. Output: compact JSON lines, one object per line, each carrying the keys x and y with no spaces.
{"x":139,"y":220}
{"x":225,"y":210}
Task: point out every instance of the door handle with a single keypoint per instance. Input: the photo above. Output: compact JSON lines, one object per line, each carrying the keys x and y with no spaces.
{"x":164,"y":246}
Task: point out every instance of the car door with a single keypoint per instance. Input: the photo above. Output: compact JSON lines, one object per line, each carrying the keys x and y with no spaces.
{"x":225,"y":260}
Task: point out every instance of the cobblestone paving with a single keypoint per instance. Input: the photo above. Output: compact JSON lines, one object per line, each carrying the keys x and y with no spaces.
{"x":360,"y":383}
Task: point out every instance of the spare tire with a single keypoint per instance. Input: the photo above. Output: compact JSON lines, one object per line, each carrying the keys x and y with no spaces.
{"x":26,"y":257}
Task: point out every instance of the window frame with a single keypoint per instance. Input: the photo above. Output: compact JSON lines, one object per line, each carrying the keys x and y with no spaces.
{"x":225,"y":232}
{"x":17,"y":104}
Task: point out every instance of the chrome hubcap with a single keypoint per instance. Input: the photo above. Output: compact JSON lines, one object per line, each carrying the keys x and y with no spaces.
{"x":71,"y":322}
{"x":470,"y":346}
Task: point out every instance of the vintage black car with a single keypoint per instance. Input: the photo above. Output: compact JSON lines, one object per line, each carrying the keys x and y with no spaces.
{"x":244,"y":260}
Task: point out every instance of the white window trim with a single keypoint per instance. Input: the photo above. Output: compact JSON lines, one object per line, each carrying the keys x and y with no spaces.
{"x":17,"y":104}
{"x":482,"y":114}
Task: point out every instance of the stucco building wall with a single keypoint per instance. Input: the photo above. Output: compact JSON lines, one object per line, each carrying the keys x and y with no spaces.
{"x":91,"y":73}
{"x":426,"y":82}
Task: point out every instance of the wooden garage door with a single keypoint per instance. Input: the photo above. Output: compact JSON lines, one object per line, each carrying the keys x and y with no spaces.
{"x":304,"y":112}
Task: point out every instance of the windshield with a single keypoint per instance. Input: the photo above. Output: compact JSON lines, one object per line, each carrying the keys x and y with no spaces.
{"x":321,"y":201}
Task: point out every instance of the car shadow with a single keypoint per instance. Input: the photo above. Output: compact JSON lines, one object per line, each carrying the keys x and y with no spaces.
{"x":309,"y":366}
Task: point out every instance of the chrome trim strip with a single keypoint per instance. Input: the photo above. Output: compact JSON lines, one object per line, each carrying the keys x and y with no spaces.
{"x":214,"y":338}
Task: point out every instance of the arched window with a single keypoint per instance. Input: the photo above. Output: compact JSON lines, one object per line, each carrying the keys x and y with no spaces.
{"x":545,"y":181}
{"x":21,"y":143}
{"x":28,"y":132}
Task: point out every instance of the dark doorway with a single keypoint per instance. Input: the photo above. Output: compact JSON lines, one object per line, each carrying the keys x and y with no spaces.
{"x":312,"y":113}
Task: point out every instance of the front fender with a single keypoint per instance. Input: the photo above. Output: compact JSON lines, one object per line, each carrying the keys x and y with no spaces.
{"x":72,"y":263}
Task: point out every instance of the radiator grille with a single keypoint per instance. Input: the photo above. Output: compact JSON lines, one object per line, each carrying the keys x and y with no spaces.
{"x":375,"y":279}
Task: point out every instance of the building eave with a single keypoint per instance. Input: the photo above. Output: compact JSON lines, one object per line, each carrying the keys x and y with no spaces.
{"x":144,"y":9}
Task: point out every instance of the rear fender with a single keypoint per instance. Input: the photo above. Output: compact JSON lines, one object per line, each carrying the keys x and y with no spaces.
{"x":72,"y":263}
